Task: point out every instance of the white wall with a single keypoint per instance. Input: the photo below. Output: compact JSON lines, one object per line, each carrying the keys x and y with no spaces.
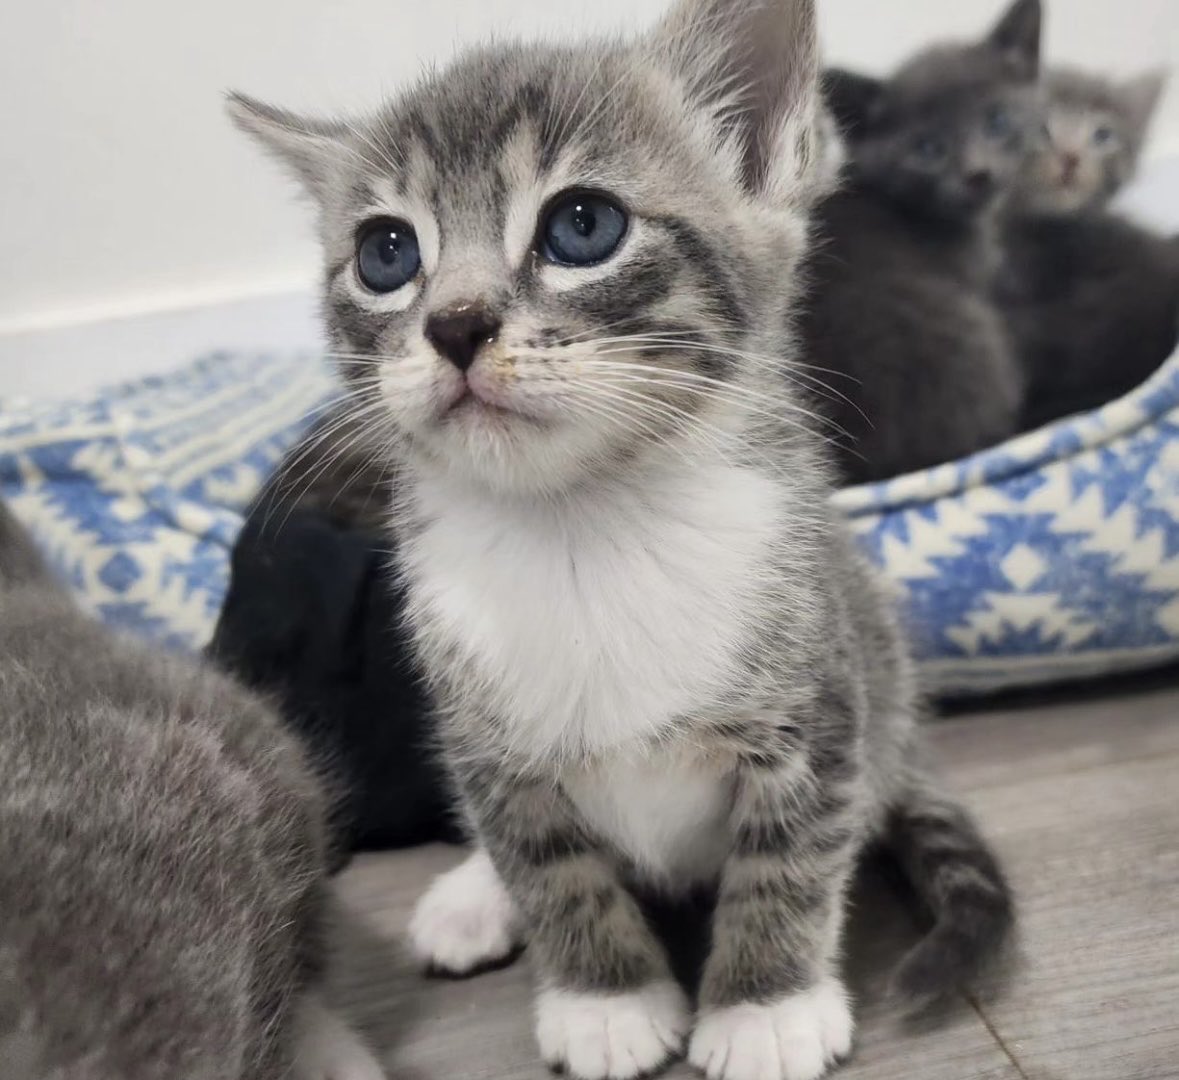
{"x":123,"y":188}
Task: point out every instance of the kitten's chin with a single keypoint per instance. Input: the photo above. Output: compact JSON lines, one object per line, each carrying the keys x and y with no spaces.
{"x":506,"y":451}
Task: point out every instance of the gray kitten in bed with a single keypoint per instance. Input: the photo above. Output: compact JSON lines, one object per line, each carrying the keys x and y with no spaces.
{"x":901,"y":272}
{"x":564,"y":280}
{"x":162,"y":862}
{"x":1093,"y":135}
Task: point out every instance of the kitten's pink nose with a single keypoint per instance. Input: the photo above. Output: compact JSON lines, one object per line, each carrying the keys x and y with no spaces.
{"x":1069,"y":163}
{"x":458,"y":332}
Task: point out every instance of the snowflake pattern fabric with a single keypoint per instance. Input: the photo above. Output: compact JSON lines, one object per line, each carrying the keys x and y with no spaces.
{"x":1054,"y":556}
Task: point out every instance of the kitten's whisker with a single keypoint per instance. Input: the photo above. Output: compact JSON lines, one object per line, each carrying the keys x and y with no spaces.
{"x":328,"y":461}
{"x":732,"y":393}
{"x":372,"y":413}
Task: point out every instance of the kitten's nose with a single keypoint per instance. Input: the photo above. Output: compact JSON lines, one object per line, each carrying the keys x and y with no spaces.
{"x":457,"y":332}
{"x":1069,"y":163}
{"x":980,"y":181}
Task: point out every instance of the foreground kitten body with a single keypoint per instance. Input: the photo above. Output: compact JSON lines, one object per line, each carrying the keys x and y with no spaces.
{"x":161,"y":863}
{"x":900,"y":302}
{"x":658,"y":659}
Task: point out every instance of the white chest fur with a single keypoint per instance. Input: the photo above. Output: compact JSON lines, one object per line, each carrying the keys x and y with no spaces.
{"x":668,"y":820}
{"x":594,"y":623}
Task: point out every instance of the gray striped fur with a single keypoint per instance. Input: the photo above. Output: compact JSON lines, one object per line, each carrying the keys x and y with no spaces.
{"x":641,"y":591}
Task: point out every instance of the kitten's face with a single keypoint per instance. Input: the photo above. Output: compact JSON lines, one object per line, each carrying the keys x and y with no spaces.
{"x":948,"y":135}
{"x":953,"y":154}
{"x":542,"y":260}
{"x":1090,"y":143}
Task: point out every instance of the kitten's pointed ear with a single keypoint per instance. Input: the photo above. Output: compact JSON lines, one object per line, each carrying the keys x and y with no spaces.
{"x":1017,"y":37}
{"x":754,"y":65}
{"x":856,"y":101}
{"x":1140,"y":98}
{"x":310,"y":148}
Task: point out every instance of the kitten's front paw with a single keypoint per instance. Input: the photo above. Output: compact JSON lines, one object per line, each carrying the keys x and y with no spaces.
{"x":466,"y":920}
{"x":795,"y":1038}
{"x":611,"y":1036}
{"x":327,"y":1048}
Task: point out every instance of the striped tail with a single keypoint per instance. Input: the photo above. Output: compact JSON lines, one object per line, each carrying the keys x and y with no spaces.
{"x":958,"y":879}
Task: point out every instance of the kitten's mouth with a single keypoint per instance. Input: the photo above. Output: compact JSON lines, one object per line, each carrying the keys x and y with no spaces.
{"x":468,"y":403}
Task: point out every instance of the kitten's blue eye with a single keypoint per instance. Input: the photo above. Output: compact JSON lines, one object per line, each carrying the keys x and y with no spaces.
{"x":582,"y":228}
{"x":998,"y":122}
{"x":1103,"y":136}
{"x":387,"y":255}
{"x":930,"y":148}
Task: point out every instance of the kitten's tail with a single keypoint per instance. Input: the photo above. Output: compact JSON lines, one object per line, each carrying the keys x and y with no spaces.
{"x":954,"y":873}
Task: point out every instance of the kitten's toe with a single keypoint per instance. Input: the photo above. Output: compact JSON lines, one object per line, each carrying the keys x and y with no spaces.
{"x":328,"y":1049}
{"x":796,"y":1038}
{"x":611,"y":1036}
{"x":466,"y":921}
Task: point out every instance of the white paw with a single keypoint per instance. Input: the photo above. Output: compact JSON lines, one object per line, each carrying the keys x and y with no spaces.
{"x":466,"y":920}
{"x":796,"y":1038}
{"x":328,"y":1049}
{"x":611,"y":1036}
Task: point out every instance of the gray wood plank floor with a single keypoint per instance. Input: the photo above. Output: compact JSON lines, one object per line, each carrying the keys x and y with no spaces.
{"x":1082,"y":801}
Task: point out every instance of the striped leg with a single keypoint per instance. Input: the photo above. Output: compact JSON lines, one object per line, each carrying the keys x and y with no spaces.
{"x":771,"y":1003}
{"x":607,"y":1006}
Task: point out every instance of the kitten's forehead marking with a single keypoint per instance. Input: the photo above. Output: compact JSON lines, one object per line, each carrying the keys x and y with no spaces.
{"x":520,"y":174}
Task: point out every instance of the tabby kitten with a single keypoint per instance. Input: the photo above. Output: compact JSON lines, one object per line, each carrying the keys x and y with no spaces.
{"x":568,"y":275}
{"x":1093,"y":134}
{"x":161,"y":863}
{"x":900,"y":304}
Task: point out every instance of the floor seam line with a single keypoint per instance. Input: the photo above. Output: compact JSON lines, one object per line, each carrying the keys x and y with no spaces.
{"x":994,"y":1033}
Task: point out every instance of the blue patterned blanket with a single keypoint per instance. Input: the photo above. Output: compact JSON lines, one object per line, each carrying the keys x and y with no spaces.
{"x":1053,"y":556}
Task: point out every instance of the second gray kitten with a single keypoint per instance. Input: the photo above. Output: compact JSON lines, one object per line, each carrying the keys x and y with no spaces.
{"x":162,"y":862}
{"x":1093,"y":134}
{"x":564,"y":281}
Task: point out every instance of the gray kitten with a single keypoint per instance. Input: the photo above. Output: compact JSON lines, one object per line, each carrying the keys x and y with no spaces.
{"x":567,"y":278}
{"x":1094,"y":132}
{"x":900,"y":277}
{"x":162,"y":862}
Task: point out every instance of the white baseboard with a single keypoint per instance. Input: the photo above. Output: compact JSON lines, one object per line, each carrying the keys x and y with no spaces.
{"x":65,"y":360}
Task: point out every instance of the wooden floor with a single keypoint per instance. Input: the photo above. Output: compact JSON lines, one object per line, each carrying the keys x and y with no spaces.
{"x":1082,"y":801}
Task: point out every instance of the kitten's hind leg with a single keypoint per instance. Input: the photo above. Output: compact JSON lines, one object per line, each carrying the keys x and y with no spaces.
{"x":465,"y":922}
{"x":326,"y":1048}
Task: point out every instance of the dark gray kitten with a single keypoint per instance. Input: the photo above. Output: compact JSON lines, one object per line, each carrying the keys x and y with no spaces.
{"x":162,"y":863}
{"x":1092,"y":303}
{"x":900,"y":275}
{"x":1093,"y":135}
{"x":568,"y":276}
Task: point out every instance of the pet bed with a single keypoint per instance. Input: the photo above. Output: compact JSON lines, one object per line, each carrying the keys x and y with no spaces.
{"x":1052,"y":557}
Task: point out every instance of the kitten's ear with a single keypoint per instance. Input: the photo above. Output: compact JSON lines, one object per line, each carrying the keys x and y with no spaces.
{"x":1140,"y":97}
{"x":754,"y":65}
{"x":1017,"y":37}
{"x":310,"y":148}
{"x":856,"y":101}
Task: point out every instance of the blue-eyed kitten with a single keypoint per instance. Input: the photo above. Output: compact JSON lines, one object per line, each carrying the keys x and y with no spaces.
{"x":563,"y":282}
{"x":1093,"y":134}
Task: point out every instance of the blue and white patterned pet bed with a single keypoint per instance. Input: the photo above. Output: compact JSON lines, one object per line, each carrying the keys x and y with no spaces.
{"x":1051,"y":557}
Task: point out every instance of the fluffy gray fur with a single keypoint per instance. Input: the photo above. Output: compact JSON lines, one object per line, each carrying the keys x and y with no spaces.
{"x":161,"y":862}
{"x":659,"y":660}
{"x":1094,"y":131}
{"x":900,"y":301}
